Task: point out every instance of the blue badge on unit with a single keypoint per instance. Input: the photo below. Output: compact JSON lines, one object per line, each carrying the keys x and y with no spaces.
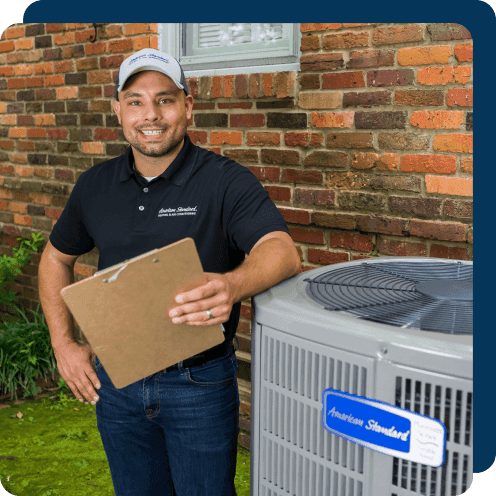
{"x":385,"y":428}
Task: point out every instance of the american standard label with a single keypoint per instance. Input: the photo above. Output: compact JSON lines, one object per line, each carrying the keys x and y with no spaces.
{"x":175,"y":212}
{"x":385,"y":428}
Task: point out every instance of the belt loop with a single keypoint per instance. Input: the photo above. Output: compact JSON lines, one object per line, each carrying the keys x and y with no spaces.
{"x":236,"y":347}
{"x":180,"y":366}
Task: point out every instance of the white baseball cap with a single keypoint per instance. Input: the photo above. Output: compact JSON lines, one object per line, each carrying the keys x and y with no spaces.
{"x":150,"y":59}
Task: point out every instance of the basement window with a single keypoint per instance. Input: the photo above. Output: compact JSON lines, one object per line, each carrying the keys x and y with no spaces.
{"x":210,"y":49}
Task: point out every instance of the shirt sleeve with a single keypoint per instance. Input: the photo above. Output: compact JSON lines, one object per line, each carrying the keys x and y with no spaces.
{"x":69,"y":235}
{"x":248,"y":213}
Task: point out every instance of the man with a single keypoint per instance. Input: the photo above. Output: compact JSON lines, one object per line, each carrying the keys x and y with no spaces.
{"x":175,"y":432}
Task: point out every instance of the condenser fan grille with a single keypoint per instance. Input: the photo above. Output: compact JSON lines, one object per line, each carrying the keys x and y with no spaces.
{"x":431,"y":296}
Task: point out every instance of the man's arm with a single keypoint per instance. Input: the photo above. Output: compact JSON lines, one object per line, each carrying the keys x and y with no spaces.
{"x":273,"y":259}
{"x":56,"y":271}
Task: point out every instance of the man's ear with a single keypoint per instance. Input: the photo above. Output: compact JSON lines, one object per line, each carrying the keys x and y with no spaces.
{"x":117,"y":109}
{"x":188,"y":103}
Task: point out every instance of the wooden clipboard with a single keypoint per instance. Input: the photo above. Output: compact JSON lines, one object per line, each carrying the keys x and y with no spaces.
{"x":123,"y":312}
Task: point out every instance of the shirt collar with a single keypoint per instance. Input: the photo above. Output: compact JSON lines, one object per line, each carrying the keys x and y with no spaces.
{"x":177,"y":172}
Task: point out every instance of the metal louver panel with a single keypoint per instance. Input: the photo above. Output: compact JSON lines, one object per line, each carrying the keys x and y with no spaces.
{"x":296,"y":453}
{"x":454,"y":408}
{"x":431,"y":296}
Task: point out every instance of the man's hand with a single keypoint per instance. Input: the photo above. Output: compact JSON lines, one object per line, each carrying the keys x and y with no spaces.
{"x":216,"y":296}
{"x":74,"y":364}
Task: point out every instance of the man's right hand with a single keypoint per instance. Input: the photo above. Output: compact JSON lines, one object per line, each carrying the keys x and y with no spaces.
{"x":74,"y":365}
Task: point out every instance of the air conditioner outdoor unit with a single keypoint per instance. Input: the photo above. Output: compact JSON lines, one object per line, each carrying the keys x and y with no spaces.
{"x":397,"y":330}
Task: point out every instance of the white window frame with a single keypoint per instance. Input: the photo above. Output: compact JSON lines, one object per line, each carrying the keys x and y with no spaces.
{"x":194,"y":66}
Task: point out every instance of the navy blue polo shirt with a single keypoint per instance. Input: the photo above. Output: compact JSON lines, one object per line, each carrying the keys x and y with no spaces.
{"x":201,"y":195}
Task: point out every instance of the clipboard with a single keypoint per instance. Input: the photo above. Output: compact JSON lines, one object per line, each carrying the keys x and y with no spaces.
{"x":123,"y":312}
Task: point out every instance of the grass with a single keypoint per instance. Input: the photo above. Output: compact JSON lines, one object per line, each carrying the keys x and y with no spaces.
{"x":57,"y":450}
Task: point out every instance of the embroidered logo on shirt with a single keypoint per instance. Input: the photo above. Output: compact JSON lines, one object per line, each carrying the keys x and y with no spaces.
{"x":175,"y":212}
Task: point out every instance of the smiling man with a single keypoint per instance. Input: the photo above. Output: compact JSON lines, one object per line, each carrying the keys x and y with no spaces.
{"x":175,"y":432}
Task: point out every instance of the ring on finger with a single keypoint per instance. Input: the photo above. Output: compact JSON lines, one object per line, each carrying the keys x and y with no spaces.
{"x":209,"y":313}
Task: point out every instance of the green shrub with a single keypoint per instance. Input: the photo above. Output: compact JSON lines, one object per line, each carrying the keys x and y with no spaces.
{"x":25,"y":350}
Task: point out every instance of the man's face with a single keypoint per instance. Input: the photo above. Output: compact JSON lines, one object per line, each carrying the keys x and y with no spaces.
{"x":153,"y":113}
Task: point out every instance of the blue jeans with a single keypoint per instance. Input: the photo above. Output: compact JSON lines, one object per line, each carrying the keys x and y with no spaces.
{"x":173,"y":433}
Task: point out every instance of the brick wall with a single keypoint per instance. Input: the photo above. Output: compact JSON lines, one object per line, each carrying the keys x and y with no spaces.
{"x":367,"y":151}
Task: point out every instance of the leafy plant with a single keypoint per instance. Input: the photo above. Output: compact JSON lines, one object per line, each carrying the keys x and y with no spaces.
{"x":26,"y":353}
{"x":10,"y":267}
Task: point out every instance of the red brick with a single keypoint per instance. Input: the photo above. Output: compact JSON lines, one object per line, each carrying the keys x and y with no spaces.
{"x":311,"y":100}
{"x":467,"y":165}
{"x":303,"y":139}
{"x":64,"y":66}
{"x":419,"y":98}
{"x":263,"y":139}
{"x":17,"y":132}
{"x":326,"y":257}
{"x":99,"y":77}
{"x":310,"y":43}
{"x":437,"y":119}
{"x":440,"y":164}
{"x":197,"y":136}
{"x":321,"y":61}
{"x":395,"y":248}
{"x":106,"y":134}
{"x":18,"y":158}
{"x":16,"y":83}
{"x":315,"y":196}
{"x":241,"y":85}
{"x":138,"y":28}
{"x":398,"y":34}
{"x":216,"y":87}
{"x":23,"y":70}
{"x":44,"y":119}
{"x":350,"y":140}
{"x":463,"y":74}
{"x":268,"y":84}
{"x":120,"y":45}
{"x":6,"y":71}
{"x":15,"y":32}
{"x":332,"y":119}
{"x":349,"y":39}
{"x":7,"y":46}
{"x":44,"y":68}
{"x":55,"y":80}
{"x":285,"y":84}
{"x":382,"y":224}
{"x":465,"y":52}
{"x":447,"y":231}
{"x":296,"y":215}
{"x":302,"y":235}
{"x":228,"y":86}
{"x":254,"y":86}
{"x":312,"y":26}
{"x":35,"y":82}
{"x":357,"y":242}
{"x":67,"y":92}
{"x":459,"y":186}
{"x":23,"y":220}
{"x":454,"y":143}
{"x":426,"y":55}
{"x":25,"y":44}
{"x":34,"y":132}
{"x":142,"y":42}
{"x":461,"y":97}
{"x":278,"y":193}
{"x":298,"y":176}
{"x":266,"y":173}
{"x":247,"y":120}
{"x":92,"y":148}
{"x":54,"y":27}
{"x":64,"y":39}
{"x":111,"y":61}
{"x":435,"y":75}
{"x":98,"y":47}
{"x":8,"y":120}
{"x":57,"y":134}
{"x":343,"y":80}
{"x":452,"y":252}
{"x":226,"y":137}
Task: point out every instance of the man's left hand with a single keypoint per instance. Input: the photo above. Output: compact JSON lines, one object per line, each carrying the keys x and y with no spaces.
{"x":216,"y":296}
